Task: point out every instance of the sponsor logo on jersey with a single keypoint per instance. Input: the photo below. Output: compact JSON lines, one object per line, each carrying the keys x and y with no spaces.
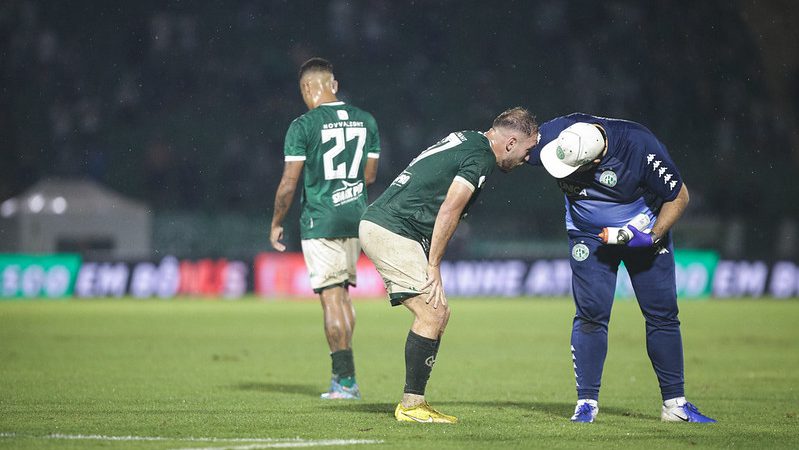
{"x":481,"y":181}
{"x":608,"y":178}
{"x":580,"y":252}
{"x":402,"y":179}
{"x":572,"y":190}
{"x":348,"y":193}
{"x":342,"y":114}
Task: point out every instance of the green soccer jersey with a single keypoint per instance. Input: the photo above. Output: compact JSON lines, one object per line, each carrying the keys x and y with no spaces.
{"x":334,"y":140}
{"x":409,"y":206}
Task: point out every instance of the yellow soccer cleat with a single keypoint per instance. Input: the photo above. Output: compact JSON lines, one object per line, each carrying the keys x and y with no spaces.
{"x":422,"y":413}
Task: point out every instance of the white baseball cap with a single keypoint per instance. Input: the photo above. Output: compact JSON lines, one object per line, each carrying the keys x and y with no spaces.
{"x":575,"y":146}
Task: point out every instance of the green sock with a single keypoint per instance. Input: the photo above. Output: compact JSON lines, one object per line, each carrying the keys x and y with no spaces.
{"x":346,"y":381}
{"x":343,"y":367}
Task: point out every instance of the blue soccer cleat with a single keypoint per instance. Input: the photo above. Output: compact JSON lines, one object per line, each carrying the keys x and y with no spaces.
{"x":339,"y":392}
{"x":585,"y":412}
{"x":685,"y":412}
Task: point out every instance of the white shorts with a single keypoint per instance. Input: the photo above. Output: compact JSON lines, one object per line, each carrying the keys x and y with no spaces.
{"x":331,"y":262}
{"x":401,"y":261}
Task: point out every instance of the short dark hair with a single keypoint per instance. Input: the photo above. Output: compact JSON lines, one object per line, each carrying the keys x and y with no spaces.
{"x":518,"y":119}
{"x":316,"y":65}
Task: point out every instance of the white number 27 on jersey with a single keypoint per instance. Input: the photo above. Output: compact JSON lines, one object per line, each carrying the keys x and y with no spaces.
{"x":342,"y":136}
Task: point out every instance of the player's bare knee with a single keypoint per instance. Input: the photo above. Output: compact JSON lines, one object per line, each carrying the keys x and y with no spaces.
{"x":439,"y":316}
{"x":445,"y":320}
{"x":429,"y":318}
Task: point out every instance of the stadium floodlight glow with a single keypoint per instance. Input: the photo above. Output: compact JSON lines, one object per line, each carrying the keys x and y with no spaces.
{"x":59,"y":205}
{"x":36,"y":203}
{"x":9,"y":208}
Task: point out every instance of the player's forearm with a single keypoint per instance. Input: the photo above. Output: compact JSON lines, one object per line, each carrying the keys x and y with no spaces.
{"x":446,"y":223}
{"x":670,"y":212}
{"x":283,"y":199}
{"x":370,"y":172}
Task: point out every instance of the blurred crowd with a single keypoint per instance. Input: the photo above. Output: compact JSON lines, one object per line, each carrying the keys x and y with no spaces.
{"x":185,"y":105}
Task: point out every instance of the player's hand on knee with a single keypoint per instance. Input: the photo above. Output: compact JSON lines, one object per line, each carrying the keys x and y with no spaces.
{"x":434,"y":287}
{"x":437,"y":297}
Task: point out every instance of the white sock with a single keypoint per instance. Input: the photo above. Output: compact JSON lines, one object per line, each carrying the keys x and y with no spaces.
{"x":591,"y":402}
{"x":672,"y":402}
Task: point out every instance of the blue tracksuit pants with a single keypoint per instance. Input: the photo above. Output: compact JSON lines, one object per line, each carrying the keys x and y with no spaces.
{"x":594,"y":268}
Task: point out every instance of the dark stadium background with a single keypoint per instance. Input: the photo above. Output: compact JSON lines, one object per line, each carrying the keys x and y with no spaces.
{"x":184,"y":105}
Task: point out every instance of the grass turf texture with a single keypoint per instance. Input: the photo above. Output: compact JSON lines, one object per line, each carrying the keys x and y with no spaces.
{"x":254,"y":369}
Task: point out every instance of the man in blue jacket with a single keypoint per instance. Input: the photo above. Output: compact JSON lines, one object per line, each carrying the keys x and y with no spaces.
{"x":623,"y":194}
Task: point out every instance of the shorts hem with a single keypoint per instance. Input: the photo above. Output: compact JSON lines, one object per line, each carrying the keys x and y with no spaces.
{"x":398,"y":297}
{"x":345,"y":284}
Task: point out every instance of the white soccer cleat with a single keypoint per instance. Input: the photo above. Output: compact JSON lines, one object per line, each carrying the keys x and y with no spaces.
{"x":679,"y":410}
{"x":585,"y":411}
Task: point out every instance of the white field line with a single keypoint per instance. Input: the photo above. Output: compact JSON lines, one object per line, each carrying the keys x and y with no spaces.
{"x":293,"y":444}
{"x":101,"y":437}
{"x":254,"y":443}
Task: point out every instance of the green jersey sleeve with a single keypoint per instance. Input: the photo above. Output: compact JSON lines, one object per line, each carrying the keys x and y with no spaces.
{"x":474,"y":170}
{"x":296,"y":143}
{"x":372,"y":148}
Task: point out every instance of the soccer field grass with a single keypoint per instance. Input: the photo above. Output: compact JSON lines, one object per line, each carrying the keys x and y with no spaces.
{"x":247,"y":374}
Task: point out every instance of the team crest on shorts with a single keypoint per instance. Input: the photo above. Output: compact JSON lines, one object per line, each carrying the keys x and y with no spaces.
{"x":580,"y":252}
{"x":608,"y":178}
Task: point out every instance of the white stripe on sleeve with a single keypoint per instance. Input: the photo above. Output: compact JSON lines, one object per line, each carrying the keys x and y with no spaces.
{"x":464,"y":181}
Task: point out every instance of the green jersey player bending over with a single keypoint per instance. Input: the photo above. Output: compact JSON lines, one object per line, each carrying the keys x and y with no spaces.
{"x":406,"y":230}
